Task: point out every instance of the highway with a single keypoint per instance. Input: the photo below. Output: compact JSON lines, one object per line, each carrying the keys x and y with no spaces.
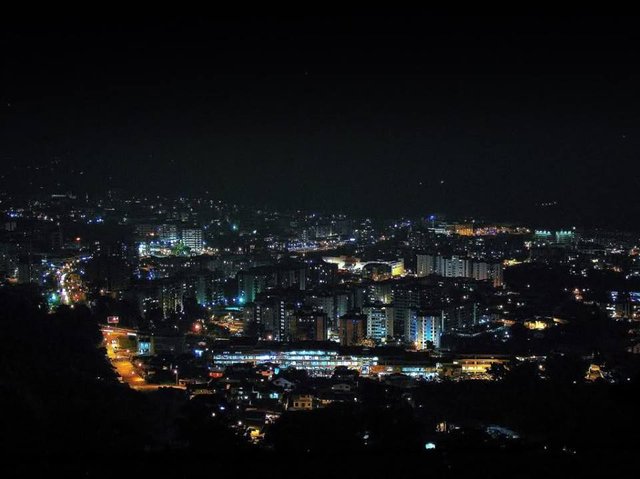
{"x":70,"y":284}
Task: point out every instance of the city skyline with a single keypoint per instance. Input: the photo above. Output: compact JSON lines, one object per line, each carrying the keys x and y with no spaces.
{"x":374,"y":244}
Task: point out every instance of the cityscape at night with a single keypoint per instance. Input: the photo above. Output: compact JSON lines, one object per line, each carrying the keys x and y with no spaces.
{"x":369,"y":245}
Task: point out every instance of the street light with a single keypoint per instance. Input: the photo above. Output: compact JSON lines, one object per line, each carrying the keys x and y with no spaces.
{"x":175,"y":371}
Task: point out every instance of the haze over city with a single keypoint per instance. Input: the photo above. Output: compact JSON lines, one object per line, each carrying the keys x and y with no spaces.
{"x":491,"y":116}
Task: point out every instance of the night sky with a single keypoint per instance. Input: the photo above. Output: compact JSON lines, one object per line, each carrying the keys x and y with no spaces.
{"x":372,"y":114}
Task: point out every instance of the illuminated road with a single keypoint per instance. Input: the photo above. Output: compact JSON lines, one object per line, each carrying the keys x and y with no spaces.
{"x":70,"y":284}
{"x":121,"y":361}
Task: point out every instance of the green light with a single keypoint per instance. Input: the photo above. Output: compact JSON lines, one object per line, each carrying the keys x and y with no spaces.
{"x":54,"y":299}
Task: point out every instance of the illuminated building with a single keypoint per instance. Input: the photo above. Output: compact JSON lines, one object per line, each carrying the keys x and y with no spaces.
{"x":470,"y":366}
{"x":356,"y":264}
{"x":377,"y":322}
{"x":316,"y":362}
{"x":483,"y":271}
{"x":192,"y":238}
{"x":270,"y":316}
{"x":538,"y":323}
{"x":397,"y":267}
{"x":565,"y":237}
{"x":594,"y":373}
{"x":376,"y":271}
{"x":542,"y":235}
{"x":380,"y":292}
{"x":457,"y":267}
{"x":417,"y":370}
{"x":428,"y":329}
{"x":425,"y":265}
{"x":624,"y":304}
{"x":463,"y":229}
{"x":480,"y":271}
{"x":167,"y":232}
{"x":343,"y":262}
{"x":453,"y":267}
{"x":562,"y":237}
{"x":301,"y":402}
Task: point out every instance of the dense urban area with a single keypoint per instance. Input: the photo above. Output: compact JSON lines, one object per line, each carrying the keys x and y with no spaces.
{"x":173,"y":327}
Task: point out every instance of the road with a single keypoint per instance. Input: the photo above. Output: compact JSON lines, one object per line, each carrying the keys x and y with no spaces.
{"x":70,"y":284}
{"x":121,"y":361}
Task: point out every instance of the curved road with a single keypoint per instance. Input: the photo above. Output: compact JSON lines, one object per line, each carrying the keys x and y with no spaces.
{"x":122,"y":361}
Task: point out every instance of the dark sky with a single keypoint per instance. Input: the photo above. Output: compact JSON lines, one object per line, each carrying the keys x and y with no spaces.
{"x":379,"y":114}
